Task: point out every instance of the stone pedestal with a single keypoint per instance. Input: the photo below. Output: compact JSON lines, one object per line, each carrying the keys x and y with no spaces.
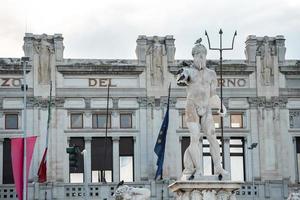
{"x":205,"y":190}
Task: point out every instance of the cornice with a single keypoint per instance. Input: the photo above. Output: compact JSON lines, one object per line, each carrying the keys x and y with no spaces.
{"x":85,"y":69}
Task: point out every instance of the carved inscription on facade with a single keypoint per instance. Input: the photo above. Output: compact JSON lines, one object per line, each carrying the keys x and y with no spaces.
{"x":10,"y":82}
{"x":101,"y":82}
{"x":232,"y":82}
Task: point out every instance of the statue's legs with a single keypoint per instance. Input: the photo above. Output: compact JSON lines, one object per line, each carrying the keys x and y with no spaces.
{"x":192,"y":156}
{"x":194,"y":147}
{"x":209,"y":130}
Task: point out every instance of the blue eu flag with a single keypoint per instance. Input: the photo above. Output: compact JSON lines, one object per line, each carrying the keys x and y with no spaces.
{"x":160,"y":145}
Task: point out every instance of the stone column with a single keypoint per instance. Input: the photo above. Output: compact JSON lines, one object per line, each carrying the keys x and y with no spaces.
{"x":227,"y":153}
{"x":248,"y":162}
{"x":67,"y":169}
{"x":88,"y":148}
{"x":116,"y":160}
{"x":295,"y":162}
{"x":1,"y":160}
{"x":137,"y":167}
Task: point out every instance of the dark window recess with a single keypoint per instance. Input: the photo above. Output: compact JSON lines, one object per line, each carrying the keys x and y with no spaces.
{"x":99,"y":161}
{"x":78,"y":141}
{"x":7,"y":165}
{"x":126,"y":146}
{"x":185,"y":142}
{"x":298,"y":155}
{"x":11,"y":121}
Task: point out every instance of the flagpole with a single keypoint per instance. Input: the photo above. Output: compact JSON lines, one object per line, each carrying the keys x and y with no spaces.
{"x":24,"y":86}
{"x":106,"y":129}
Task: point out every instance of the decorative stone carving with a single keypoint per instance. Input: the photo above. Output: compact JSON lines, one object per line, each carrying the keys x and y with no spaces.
{"x":87,"y":102}
{"x":266,"y":52}
{"x":142,"y":101}
{"x":170,"y":48}
{"x":115,"y":102}
{"x":294,"y":196}
{"x":146,"y":102}
{"x":279,"y":102}
{"x":44,"y":48}
{"x":255,"y":102}
{"x":59,"y":102}
{"x":141,"y":49}
{"x":125,"y":192}
{"x":43,"y":103}
{"x":164,"y":102}
{"x":156,"y":51}
{"x":204,"y":190}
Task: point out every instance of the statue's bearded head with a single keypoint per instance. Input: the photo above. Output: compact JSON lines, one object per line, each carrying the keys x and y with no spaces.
{"x":199,"y":53}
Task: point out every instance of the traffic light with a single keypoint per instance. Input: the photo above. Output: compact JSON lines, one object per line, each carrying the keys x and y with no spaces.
{"x":73,"y":156}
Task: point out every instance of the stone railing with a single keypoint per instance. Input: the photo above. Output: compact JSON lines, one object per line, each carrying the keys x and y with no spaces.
{"x":159,"y":190}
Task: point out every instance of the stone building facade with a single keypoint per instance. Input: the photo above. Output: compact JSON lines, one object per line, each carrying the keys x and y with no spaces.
{"x":261,"y":129}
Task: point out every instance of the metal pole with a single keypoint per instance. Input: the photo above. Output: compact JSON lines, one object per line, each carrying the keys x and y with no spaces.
{"x":221,"y":106}
{"x":24,"y":62}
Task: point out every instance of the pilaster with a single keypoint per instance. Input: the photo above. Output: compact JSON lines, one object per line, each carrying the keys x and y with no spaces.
{"x":1,"y":160}
{"x":116,"y":159}
{"x":88,"y":148}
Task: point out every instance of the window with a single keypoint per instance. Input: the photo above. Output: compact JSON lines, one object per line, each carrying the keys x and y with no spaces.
{"x":99,"y":175}
{"x":77,"y":174}
{"x":11,"y":121}
{"x":237,"y":159}
{"x":126,"y":153}
{"x":99,"y":120}
{"x":298,"y":156}
{"x":294,"y":118}
{"x":126,"y":120}
{"x":236,"y":121}
{"x":208,"y":167}
{"x":183,"y":121}
{"x":102,"y":159}
{"x":7,"y":164}
{"x":76,"y":120}
{"x":217,"y":120}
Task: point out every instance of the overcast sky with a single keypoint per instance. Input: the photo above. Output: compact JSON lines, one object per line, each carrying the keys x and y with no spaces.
{"x":109,"y":28}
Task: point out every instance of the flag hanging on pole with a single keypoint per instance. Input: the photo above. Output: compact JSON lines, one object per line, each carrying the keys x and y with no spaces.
{"x":17,"y":152}
{"x":42,"y":172}
{"x":160,"y":145}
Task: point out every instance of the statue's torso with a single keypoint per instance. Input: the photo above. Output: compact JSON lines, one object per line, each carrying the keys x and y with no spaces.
{"x":198,"y":90}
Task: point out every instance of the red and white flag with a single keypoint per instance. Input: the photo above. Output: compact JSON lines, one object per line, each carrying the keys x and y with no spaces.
{"x":17,"y":157}
{"x":42,"y":172}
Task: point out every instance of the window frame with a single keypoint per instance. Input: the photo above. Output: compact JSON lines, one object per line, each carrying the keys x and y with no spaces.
{"x":182,"y":115}
{"x":5,"y":121}
{"x":104,"y":114}
{"x":242,"y":120}
{"x":131,"y":125}
{"x":235,"y":154}
{"x":71,"y":121}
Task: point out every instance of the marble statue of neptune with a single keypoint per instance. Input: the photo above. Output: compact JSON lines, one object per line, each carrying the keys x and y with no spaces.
{"x":201,"y":84}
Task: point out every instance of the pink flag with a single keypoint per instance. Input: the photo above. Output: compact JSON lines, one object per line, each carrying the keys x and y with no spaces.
{"x":17,"y":150}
